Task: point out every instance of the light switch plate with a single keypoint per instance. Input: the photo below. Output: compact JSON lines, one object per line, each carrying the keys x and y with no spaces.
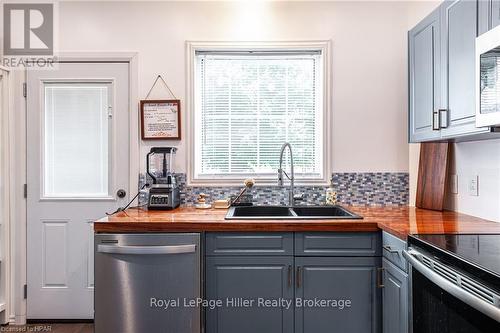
{"x":474,"y":186}
{"x":454,"y":184}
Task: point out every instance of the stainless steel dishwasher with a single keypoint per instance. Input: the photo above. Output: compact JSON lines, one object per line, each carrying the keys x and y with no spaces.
{"x":141,"y":281}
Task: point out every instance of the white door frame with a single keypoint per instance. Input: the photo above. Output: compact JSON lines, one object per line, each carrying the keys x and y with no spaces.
{"x":18,"y":243}
{"x":5,"y":238}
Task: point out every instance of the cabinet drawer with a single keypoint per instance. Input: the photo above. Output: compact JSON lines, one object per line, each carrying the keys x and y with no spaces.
{"x":392,"y":248}
{"x":247,"y":243}
{"x":350,"y":244}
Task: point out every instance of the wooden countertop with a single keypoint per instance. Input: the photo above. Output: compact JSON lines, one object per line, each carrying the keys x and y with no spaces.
{"x":399,"y":221}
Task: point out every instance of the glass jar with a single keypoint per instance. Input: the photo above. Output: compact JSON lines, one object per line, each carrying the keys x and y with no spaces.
{"x":331,"y":196}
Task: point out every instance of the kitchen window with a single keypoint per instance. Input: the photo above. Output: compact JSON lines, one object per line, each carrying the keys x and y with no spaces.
{"x":247,"y":103}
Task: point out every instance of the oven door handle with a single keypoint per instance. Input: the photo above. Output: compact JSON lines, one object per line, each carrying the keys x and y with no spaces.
{"x":473,"y":301}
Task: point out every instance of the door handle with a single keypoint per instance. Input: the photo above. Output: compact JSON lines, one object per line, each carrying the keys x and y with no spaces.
{"x":415,"y":259}
{"x":121,"y":193}
{"x":170,"y":249}
{"x":298,"y":277}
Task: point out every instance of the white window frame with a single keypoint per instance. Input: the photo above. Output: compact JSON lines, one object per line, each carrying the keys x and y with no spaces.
{"x":191,"y":49}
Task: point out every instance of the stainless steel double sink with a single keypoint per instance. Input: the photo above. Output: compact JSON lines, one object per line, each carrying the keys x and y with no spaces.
{"x":292,"y":213}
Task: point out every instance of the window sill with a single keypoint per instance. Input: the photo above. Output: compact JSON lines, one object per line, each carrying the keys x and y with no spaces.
{"x":258,"y":182}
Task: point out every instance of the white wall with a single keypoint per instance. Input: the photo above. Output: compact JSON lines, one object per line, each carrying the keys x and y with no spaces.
{"x":369,"y":58}
{"x":471,"y":159}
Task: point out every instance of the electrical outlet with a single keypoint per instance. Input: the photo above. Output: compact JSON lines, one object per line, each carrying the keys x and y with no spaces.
{"x":454,"y":184}
{"x":474,"y":186}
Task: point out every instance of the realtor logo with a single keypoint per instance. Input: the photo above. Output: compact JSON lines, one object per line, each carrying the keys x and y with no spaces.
{"x":28,"y":29}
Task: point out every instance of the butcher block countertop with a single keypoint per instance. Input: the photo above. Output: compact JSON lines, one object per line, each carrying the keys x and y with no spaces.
{"x":399,"y":221}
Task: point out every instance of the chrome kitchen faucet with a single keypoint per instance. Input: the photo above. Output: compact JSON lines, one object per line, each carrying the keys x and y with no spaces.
{"x":291,"y":197}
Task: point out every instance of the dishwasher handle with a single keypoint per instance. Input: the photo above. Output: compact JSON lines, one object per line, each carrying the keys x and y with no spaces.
{"x":167,"y":249}
{"x":473,"y":301}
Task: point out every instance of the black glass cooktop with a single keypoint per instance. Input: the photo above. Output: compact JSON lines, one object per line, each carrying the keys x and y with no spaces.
{"x":479,"y":251}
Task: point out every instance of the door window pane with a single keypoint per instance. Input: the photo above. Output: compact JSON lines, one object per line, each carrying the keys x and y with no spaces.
{"x":76,"y":140}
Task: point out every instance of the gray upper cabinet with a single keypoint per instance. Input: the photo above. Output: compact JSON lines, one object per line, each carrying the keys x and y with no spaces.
{"x":442,"y":101}
{"x":352,"y":279}
{"x":458,"y":37}
{"x":250,"y":278}
{"x":483,"y":16}
{"x":488,"y":15}
{"x":394,"y":299}
{"x":495,"y":13}
{"x":424,"y":79}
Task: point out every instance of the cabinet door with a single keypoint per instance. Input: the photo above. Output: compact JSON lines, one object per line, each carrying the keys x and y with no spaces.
{"x":424,"y":76}
{"x":495,"y":13}
{"x":488,"y":15}
{"x":394,"y":299}
{"x":484,"y":16}
{"x":234,"y":279}
{"x":459,"y":31}
{"x":341,"y":280}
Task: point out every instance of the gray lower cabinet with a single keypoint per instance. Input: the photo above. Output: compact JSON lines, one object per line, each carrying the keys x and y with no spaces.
{"x":424,"y":79}
{"x":332,"y":280}
{"x":233,"y":279}
{"x":394,"y":299}
{"x":351,"y":282}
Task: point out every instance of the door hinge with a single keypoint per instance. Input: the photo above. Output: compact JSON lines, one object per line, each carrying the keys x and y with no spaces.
{"x":25,"y":291}
{"x":25,"y":90}
{"x":25,"y":191}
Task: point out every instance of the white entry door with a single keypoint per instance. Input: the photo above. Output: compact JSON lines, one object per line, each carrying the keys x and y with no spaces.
{"x":77,"y":161}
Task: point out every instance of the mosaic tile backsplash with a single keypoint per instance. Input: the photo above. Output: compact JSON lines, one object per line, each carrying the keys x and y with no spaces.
{"x":365,"y":189}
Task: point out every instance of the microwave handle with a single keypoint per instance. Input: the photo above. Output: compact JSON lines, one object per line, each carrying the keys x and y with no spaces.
{"x":475,"y":302}
{"x":171,"y":249}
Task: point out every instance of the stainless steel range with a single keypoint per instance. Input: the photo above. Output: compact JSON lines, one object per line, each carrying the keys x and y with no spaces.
{"x":454,"y":283}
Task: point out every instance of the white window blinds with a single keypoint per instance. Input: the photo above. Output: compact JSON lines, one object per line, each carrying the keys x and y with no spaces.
{"x":249,"y":104}
{"x":490,"y":83}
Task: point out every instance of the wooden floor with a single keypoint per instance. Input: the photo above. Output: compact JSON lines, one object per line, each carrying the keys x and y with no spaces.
{"x":52,"y":328}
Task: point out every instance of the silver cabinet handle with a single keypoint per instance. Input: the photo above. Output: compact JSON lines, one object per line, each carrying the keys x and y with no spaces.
{"x":298,"y":276}
{"x":389,"y":248}
{"x":475,"y":302}
{"x":436,"y":118}
{"x":443,"y":118}
{"x":380,"y":277}
{"x":290,"y":272}
{"x":170,"y":249}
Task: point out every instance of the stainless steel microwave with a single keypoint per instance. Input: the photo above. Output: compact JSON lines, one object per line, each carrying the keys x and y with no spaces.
{"x":488,"y":78}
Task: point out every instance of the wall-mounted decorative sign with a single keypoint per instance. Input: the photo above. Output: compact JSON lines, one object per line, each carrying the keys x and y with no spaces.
{"x":160,"y":119}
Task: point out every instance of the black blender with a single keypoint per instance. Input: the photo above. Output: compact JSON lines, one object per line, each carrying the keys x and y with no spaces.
{"x":164,"y":192}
